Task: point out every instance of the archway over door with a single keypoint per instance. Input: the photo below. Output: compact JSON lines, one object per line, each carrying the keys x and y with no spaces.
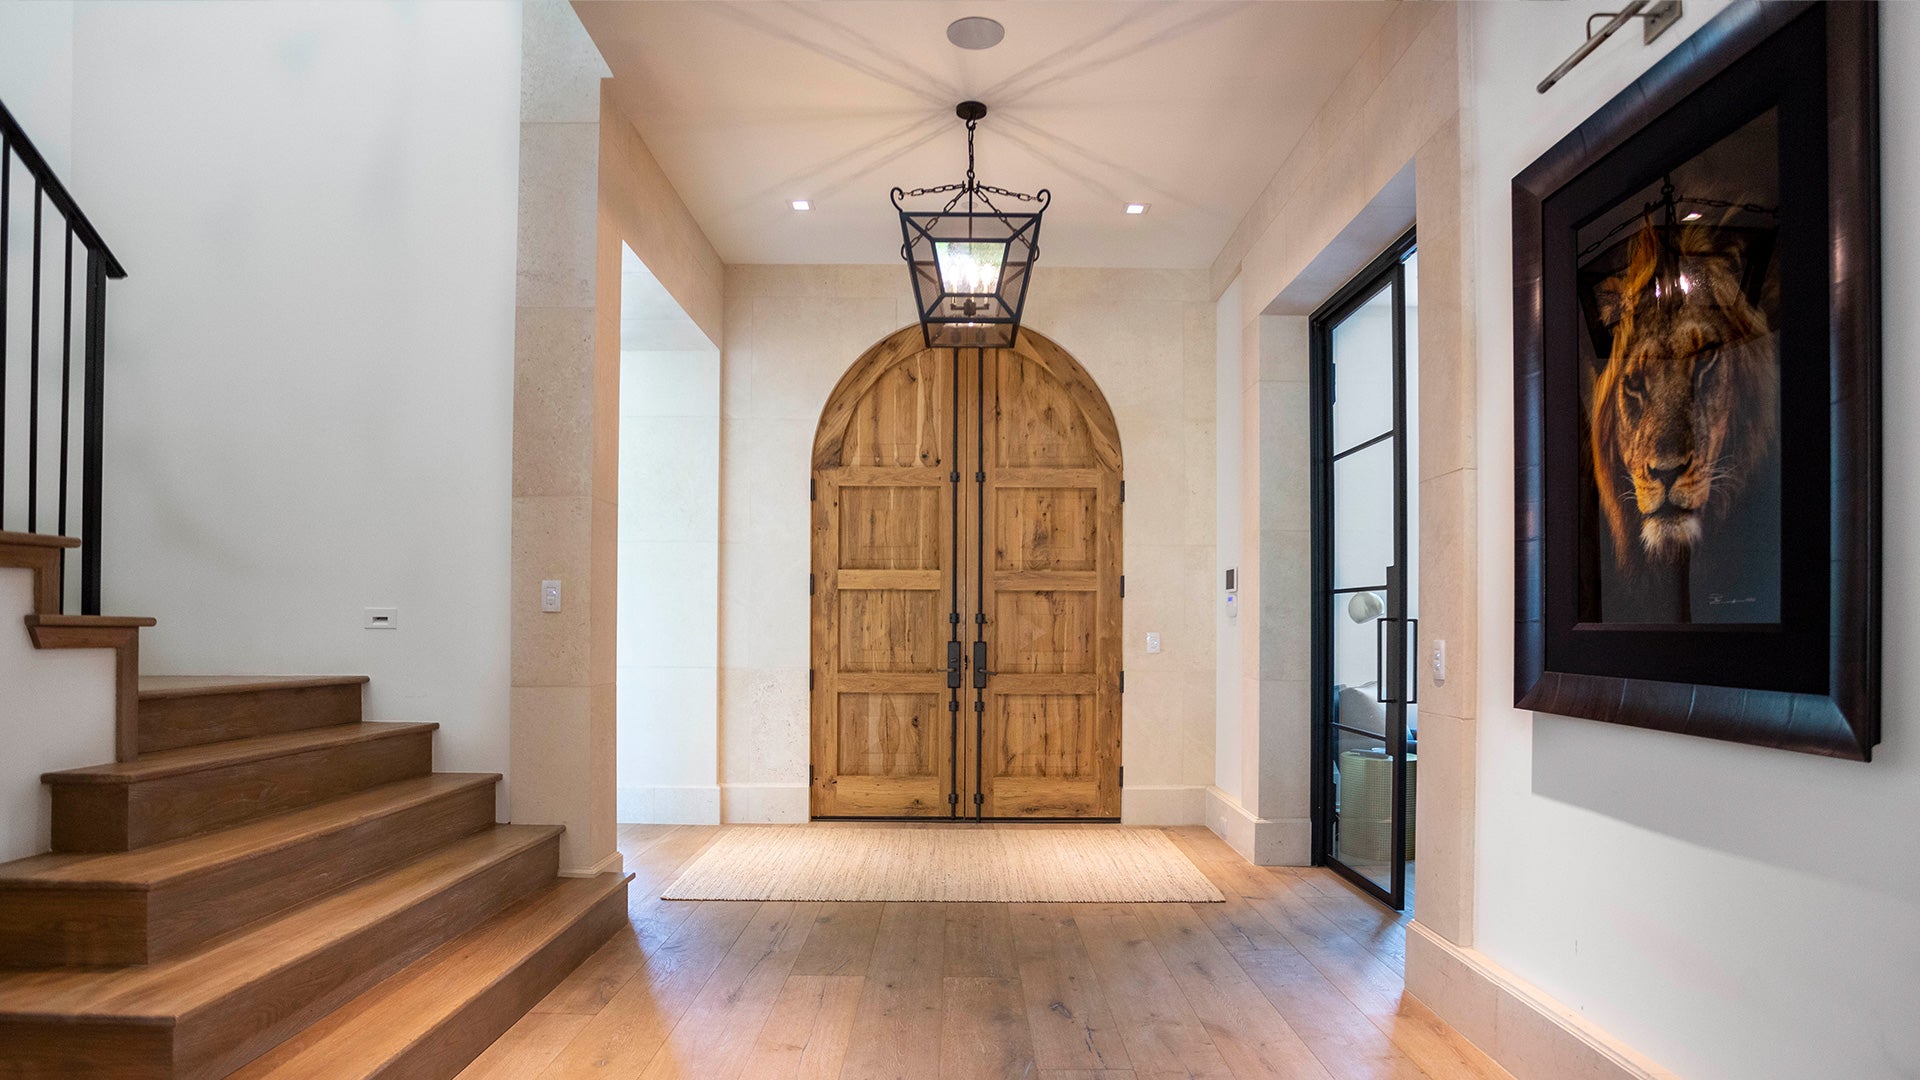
{"x":966,"y":586}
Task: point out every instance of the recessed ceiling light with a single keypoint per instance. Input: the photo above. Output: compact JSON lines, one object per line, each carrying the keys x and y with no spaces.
{"x":1137,"y":207}
{"x":803,"y":204}
{"x":975,"y":32}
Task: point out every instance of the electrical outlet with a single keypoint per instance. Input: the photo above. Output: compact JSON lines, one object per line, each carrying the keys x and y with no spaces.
{"x":1439,"y":662}
{"x":382,"y":618}
{"x":1153,"y":641}
{"x":550,"y":595}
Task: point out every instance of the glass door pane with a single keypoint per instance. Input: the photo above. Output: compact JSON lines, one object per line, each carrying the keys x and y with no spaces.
{"x":1365,"y":576}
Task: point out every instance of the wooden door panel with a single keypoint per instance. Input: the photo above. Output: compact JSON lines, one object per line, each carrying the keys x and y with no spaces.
{"x":1030,"y":492}
{"x":1049,"y":506}
{"x":884,"y":564}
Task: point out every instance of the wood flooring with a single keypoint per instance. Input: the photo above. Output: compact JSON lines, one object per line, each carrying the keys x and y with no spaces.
{"x":1296,"y":975}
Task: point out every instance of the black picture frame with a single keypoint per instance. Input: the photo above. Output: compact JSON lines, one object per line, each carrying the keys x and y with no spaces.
{"x":1811,"y":681}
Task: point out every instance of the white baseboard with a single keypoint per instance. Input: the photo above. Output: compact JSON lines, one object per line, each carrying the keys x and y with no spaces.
{"x":781,"y":804}
{"x":668,"y":805}
{"x":1530,"y":1034}
{"x":612,"y":864}
{"x":1260,"y":841}
{"x":1162,"y":805}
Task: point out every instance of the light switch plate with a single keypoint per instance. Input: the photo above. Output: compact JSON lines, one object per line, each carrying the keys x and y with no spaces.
{"x":383,"y":618}
{"x":550,"y":595}
{"x":1439,"y":661}
{"x":1153,"y":641}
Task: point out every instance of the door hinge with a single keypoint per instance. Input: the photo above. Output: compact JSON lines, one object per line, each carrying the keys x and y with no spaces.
{"x":1123,"y":682}
{"x":1123,"y":491}
{"x":1123,"y":586}
{"x":813,"y":490}
{"x":1123,"y":776}
{"x":810,"y":774}
{"x":809,"y":678}
{"x":810,"y":584}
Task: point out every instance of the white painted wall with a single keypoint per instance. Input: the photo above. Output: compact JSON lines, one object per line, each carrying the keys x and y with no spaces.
{"x":1146,"y":337}
{"x":311,"y":361}
{"x":669,"y":575}
{"x":1730,"y":911}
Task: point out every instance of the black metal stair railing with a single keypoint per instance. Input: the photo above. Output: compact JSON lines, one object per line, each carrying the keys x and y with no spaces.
{"x":21,"y":460}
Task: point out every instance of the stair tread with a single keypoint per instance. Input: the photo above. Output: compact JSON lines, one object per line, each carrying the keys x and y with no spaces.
{"x":39,"y":539}
{"x":164,"y":992}
{"x":187,"y":759}
{"x":173,"y":686}
{"x":374,"y":1028}
{"x":174,"y":860}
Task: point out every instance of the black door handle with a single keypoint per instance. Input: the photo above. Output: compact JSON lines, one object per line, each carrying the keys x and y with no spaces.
{"x":1380,"y":659}
{"x":1413,"y":647}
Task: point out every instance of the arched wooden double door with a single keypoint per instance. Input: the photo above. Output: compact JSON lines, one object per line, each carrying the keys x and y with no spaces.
{"x":966,"y":600}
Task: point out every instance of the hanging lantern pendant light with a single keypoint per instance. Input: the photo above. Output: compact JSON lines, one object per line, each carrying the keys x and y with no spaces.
{"x":970,"y":266}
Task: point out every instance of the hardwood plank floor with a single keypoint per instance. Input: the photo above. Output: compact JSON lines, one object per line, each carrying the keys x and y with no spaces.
{"x":1296,"y":975}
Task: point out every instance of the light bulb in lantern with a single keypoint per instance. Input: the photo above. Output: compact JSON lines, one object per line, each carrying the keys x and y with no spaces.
{"x":969,"y":268}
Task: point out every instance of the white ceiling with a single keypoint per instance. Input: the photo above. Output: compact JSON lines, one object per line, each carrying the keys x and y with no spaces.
{"x":1188,"y":106}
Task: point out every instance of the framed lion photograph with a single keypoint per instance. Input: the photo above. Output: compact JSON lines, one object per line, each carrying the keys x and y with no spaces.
{"x":1697,"y":373}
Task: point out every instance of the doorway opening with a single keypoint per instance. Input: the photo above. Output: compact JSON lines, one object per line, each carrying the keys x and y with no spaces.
{"x":667,"y":667}
{"x":1366,"y":574}
{"x":966,"y":587}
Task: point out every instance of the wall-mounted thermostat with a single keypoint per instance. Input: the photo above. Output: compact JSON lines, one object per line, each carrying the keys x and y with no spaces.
{"x":1233,"y":593}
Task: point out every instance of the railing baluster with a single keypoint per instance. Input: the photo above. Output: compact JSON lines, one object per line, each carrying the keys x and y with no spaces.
{"x":6,"y":260}
{"x":93,"y":430}
{"x":66,"y":399}
{"x":33,"y":378}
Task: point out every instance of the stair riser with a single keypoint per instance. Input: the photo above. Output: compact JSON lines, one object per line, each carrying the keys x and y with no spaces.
{"x":167,"y":723}
{"x":219,"y":1038}
{"x":467,"y":1034}
{"x":48,"y":927}
{"x":124,"y":816}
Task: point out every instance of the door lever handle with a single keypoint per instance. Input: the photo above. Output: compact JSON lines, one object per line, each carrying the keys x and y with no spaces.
{"x":980,"y":671}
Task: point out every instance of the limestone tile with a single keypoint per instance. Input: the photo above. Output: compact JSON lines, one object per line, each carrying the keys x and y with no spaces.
{"x":1249,"y":725}
{"x":1249,"y":355}
{"x":779,"y":464}
{"x":736,"y":357}
{"x":1286,"y":456}
{"x":763,"y":725}
{"x":670,"y":478}
{"x":1199,"y":595}
{"x":1202,"y":498}
{"x":1286,"y":604}
{"x":1136,"y":352}
{"x":1154,"y":449}
{"x":1286,"y":769}
{"x":1156,"y":601}
{"x":552,"y":539}
{"x":882,"y":281}
{"x":1449,"y":601}
{"x":560,"y":67}
{"x":1104,"y":286}
{"x":802,"y":346}
{"x":1446,"y":347}
{"x":1445,"y":984}
{"x":1197,"y":698}
{"x":602,"y":779}
{"x":559,"y":212}
{"x":1284,"y":348}
{"x":552,"y":762}
{"x":552,"y":401}
{"x":1446,"y":799}
{"x":1152,"y":738}
{"x":669,"y":382}
{"x":737,"y":608}
{"x":779,"y":634}
{"x":601,"y":591}
{"x":736,"y":480}
{"x":1200,"y":356}
{"x":1533,"y":1047}
{"x":677,"y":587}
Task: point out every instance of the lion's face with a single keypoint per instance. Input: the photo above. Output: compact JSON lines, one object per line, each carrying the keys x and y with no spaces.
{"x":1686,"y":402}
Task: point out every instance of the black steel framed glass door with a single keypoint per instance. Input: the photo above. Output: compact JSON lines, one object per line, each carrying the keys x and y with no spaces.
{"x":1366,"y":575}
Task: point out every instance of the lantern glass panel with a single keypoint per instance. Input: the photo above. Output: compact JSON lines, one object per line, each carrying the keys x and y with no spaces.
{"x":970,"y":267}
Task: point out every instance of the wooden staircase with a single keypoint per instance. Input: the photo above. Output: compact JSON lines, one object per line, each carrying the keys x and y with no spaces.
{"x":268,"y":886}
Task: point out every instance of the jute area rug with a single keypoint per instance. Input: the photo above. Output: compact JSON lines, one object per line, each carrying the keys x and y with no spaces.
{"x":960,"y":863}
